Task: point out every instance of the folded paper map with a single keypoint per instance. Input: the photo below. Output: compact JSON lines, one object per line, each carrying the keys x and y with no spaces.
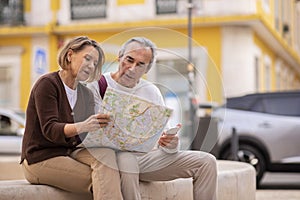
{"x":136,"y":123}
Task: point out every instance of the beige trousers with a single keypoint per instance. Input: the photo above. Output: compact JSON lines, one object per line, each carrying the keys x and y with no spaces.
{"x":160,"y":166}
{"x":84,"y":171}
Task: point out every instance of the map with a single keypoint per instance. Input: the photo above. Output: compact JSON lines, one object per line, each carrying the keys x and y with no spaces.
{"x":136,"y":123}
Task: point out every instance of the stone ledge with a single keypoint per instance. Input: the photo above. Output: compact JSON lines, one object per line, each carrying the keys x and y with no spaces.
{"x":236,"y":181}
{"x":21,"y":189}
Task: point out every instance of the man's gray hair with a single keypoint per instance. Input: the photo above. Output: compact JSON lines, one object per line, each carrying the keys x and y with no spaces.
{"x":145,"y":42}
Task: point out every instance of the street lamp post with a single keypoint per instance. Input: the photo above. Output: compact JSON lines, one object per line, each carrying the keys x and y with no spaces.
{"x":190,"y":68}
{"x":190,"y":31}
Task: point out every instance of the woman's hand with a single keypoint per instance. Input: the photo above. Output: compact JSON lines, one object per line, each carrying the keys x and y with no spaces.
{"x":169,"y":141}
{"x":92,"y":123}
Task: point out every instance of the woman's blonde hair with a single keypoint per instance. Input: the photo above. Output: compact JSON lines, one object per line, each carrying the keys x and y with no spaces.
{"x":77,"y":44}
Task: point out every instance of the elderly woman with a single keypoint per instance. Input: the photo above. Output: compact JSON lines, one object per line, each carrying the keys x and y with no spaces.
{"x":60,"y":112}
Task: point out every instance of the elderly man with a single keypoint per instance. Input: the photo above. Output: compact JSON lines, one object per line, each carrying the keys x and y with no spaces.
{"x":166,"y":162}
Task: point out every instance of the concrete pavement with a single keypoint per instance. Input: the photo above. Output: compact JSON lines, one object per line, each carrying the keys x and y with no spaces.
{"x":279,"y":186}
{"x":262,"y":194}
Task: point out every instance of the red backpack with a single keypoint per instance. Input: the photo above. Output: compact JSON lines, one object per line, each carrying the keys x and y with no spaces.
{"x":102,"y":85}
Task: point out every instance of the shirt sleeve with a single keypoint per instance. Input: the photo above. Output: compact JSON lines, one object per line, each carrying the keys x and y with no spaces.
{"x":167,"y":150}
{"x":46,"y":100}
{"x":158,"y":99}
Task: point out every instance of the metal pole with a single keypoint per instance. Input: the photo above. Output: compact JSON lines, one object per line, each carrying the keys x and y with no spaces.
{"x":234,"y":144}
{"x":191,"y":72}
{"x":190,"y":31}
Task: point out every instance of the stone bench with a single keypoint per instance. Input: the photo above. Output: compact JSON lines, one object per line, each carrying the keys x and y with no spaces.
{"x":236,"y":181}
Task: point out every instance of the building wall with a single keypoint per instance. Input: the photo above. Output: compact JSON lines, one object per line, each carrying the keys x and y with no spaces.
{"x":237,"y":61}
{"x":222,"y":8}
{"x":217,"y":28}
{"x":19,"y":63}
{"x":39,"y":13}
{"x":211,"y":39}
{"x":266,"y":70}
{"x":10,"y":59}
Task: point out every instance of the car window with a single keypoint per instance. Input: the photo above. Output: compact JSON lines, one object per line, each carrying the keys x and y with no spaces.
{"x":8,"y":126}
{"x":241,"y":103}
{"x":259,"y":106}
{"x":288,"y":105}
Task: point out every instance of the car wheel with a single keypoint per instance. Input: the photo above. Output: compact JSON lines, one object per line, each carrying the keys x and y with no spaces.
{"x":248,"y":154}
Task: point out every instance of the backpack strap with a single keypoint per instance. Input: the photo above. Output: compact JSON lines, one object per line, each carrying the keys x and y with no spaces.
{"x":102,"y":85}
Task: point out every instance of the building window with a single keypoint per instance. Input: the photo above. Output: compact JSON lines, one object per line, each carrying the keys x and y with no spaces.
{"x":286,"y":20}
{"x":166,"y":6}
{"x":11,"y":12}
{"x":266,"y":5}
{"x":285,"y":79}
{"x":89,"y":9}
{"x":257,"y":73}
{"x":297,"y":27}
{"x":267,"y":77}
{"x":277,"y":14}
{"x":278,"y":75}
{"x":5,"y":85}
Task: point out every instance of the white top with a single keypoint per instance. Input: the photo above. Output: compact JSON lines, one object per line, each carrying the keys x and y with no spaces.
{"x":72,"y":95}
{"x":144,"y":89}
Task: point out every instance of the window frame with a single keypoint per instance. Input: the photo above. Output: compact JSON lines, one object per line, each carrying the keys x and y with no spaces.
{"x":160,"y":10}
{"x":79,"y":5}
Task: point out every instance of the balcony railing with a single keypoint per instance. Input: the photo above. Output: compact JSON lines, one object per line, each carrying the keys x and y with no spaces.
{"x":166,"y":6}
{"x":89,"y":9}
{"x":11,"y":12}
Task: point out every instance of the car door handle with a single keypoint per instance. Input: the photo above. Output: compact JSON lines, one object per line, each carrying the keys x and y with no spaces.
{"x":264,"y":125}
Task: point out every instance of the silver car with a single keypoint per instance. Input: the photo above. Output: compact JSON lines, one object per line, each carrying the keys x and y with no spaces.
{"x":267,"y":128}
{"x":12,"y":123}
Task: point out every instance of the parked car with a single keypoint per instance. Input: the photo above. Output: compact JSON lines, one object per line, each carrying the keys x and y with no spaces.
{"x":12,"y":123}
{"x":267,"y":126}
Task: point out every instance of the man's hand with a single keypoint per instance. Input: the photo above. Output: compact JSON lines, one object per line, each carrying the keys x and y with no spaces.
{"x":169,"y":141}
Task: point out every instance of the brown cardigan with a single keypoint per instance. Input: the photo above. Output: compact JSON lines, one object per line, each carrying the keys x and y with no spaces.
{"x":47,"y":113}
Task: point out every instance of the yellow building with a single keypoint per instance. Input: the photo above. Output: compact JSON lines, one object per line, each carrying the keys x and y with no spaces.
{"x":237,"y":46}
